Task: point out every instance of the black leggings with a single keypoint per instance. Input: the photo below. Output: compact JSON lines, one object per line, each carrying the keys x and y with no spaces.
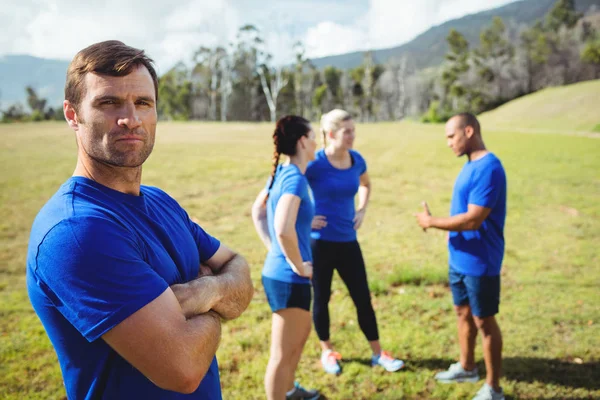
{"x":347,"y":258}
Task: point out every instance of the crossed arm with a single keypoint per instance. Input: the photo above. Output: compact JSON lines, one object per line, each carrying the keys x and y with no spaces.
{"x":173,"y":339}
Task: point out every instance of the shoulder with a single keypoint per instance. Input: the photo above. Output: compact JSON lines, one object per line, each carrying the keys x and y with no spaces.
{"x":157,"y":193}
{"x":491,"y":166}
{"x":359,"y":160}
{"x":292,"y":180}
{"x":317,"y":163}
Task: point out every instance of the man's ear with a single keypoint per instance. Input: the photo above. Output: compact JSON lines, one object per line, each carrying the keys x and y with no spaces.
{"x":469,"y":131}
{"x":71,"y":115}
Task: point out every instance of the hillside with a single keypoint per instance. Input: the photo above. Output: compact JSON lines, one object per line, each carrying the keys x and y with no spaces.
{"x":47,"y":76}
{"x":428,"y":49}
{"x":573,"y":108}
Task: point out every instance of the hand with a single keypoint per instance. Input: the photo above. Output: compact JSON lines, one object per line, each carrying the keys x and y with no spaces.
{"x":319,"y":221}
{"x":307,"y":266}
{"x":424,"y":217}
{"x":205,"y":271}
{"x":358,"y":218}
{"x":191,"y":306}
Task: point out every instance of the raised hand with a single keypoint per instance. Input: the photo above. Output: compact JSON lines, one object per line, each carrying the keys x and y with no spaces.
{"x":424,"y":217}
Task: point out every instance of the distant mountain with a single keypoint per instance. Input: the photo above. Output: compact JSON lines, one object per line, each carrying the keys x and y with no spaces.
{"x":428,"y":49}
{"x":46,"y":76}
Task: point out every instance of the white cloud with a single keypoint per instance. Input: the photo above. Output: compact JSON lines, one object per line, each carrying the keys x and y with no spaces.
{"x":171,"y":32}
{"x":328,"y":38}
{"x":389,"y":23}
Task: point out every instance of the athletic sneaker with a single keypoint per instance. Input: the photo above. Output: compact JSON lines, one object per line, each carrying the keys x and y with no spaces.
{"x":298,"y":392}
{"x":388,"y":362}
{"x":456,"y":373}
{"x":329,"y":361}
{"x":488,"y":393}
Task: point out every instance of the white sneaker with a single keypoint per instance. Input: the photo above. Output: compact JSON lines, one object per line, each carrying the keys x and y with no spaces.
{"x":456,"y":373}
{"x":488,"y":393}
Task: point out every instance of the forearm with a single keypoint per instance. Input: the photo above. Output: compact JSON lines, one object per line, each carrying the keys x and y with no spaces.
{"x":228,"y":292}
{"x":456,"y":223}
{"x":289,"y":247}
{"x":235,"y":286}
{"x":260,"y":224}
{"x":364,"y":193}
{"x":200,"y":340}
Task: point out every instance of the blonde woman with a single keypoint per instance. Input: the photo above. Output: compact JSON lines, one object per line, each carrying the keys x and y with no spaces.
{"x":336,"y":175}
{"x":282,"y":214}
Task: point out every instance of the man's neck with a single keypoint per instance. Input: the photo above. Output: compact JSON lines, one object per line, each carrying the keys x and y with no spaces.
{"x":122,"y":179}
{"x":477,"y":152}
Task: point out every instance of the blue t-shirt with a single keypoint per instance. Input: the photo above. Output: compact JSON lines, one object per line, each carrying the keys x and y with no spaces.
{"x":289,"y":180}
{"x":334,"y":190}
{"x":479,"y":252}
{"x":95,"y":257}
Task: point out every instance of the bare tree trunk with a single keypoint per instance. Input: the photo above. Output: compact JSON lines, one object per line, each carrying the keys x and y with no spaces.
{"x":272,"y":92}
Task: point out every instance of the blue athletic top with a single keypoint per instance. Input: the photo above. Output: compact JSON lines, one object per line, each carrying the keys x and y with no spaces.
{"x":289,"y":179}
{"x":334,"y":190}
{"x":95,"y":257}
{"x":479,"y":252}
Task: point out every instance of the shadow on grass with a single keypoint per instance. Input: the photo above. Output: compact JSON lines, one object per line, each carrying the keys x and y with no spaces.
{"x":527,"y":369}
{"x":363,"y":361}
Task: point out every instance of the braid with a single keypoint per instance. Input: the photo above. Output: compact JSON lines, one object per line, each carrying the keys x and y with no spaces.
{"x":276,"y":156}
{"x":274,"y":170}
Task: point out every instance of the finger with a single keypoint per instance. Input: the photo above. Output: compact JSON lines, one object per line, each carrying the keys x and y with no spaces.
{"x":426,"y":208}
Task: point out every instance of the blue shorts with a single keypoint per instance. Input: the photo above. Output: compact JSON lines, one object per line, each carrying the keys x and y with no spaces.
{"x":481,"y":293}
{"x":282,"y":295}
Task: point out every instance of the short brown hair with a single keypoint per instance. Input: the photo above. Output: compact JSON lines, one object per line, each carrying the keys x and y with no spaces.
{"x":113,"y":58}
{"x":468,"y":119}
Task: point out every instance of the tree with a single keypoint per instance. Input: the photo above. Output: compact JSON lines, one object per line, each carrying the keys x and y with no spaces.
{"x":562,"y":14}
{"x":535,"y":51}
{"x":494,"y":54}
{"x":226,"y":86}
{"x":272,"y":88}
{"x":175,"y":93}
{"x":457,"y":65}
{"x":299,"y":66}
{"x":591,"y":55}
{"x":209,"y":61}
{"x":248,"y":55}
{"x":332,"y":77}
{"x":37,"y":104}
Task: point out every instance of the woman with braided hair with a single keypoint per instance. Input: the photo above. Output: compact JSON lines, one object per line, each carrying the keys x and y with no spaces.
{"x":282,"y":215}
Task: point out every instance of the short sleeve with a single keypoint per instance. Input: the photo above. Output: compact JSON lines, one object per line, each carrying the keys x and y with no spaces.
{"x":294,"y":184}
{"x":93,"y":271}
{"x":486,"y":186}
{"x":207,"y":244}
{"x":361,"y":164}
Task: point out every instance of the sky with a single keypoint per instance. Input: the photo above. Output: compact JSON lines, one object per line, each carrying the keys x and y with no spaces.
{"x":172,"y":32}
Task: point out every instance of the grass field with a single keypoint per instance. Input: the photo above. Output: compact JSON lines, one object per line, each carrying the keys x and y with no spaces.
{"x":550,"y":310}
{"x":566,"y":109}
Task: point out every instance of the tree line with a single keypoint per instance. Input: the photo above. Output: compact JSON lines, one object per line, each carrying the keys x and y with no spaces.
{"x":240,"y":82}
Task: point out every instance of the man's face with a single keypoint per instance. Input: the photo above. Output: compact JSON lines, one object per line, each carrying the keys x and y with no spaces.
{"x":116,"y":120}
{"x":456,"y":137}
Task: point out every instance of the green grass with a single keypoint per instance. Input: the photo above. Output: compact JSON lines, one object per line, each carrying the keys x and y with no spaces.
{"x":568,"y":109}
{"x":549,"y":315}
